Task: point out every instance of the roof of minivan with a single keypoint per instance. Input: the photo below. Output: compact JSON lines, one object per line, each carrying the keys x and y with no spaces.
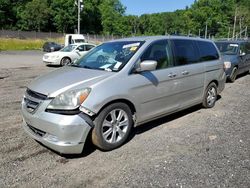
{"x":152,"y":38}
{"x":231,"y":41}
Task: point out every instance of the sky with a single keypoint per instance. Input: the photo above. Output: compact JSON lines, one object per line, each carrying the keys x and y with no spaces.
{"x":139,"y":7}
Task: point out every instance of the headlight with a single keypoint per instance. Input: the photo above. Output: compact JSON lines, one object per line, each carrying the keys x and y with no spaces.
{"x":227,"y":65}
{"x":69,"y":100}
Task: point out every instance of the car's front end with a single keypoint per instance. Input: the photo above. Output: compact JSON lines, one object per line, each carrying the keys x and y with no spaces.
{"x":229,"y":51}
{"x":52,"y":58}
{"x":230,"y":61}
{"x":52,"y":111}
{"x":60,"y":132}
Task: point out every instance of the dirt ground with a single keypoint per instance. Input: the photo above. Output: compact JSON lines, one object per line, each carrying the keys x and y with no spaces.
{"x":193,"y":148}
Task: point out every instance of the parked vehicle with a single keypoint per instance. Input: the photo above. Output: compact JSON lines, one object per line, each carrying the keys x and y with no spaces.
{"x":68,"y":54}
{"x":51,"y":47}
{"x":74,"y":39}
{"x":138,"y":80}
{"x":236,"y":54}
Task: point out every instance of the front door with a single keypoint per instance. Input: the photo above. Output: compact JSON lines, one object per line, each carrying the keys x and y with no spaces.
{"x":156,"y":92}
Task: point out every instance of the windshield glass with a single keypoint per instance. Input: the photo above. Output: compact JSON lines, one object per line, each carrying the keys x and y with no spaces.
{"x":79,"y":40}
{"x":68,"y":48}
{"x":228,"y":48}
{"x":111,"y":56}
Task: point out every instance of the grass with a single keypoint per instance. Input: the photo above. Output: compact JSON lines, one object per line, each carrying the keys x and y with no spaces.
{"x":27,"y":44}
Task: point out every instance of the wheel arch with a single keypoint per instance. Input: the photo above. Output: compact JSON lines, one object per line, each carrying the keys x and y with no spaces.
{"x":121,"y":100}
{"x":213,"y":81}
{"x":65,"y":57}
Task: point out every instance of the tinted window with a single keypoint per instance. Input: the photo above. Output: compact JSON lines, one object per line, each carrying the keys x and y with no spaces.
{"x":89,"y":47}
{"x":81,"y":48}
{"x":159,"y":51}
{"x":208,"y":51}
{"x":185,"y":52}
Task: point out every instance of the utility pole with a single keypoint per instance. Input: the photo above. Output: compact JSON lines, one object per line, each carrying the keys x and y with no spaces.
{"x":80,"y":8}
{"x":228,"y":35}
{"x":246,"y":32}
{"x":235,"y":19}
{"x":206,"y":31}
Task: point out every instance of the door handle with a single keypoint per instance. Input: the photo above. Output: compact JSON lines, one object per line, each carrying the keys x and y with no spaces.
{"x":172,"y":75}
{"x":185,"y":73}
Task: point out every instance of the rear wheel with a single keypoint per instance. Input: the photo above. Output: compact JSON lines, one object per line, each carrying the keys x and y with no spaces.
{"x":112,"y":126}
{"x":210,"y":96}
{"x":233,"y":75}
{"x":65,"y":61}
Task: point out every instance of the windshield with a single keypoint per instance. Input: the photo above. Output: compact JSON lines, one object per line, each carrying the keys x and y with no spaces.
{"x":228,"y":48}
{"x":68,"y":48}
{"x":79,"y":40}
{"x":111,"y":56}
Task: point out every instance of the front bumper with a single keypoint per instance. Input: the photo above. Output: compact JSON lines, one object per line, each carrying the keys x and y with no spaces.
{"x":62,"y":133}
{"x":50,"y":61}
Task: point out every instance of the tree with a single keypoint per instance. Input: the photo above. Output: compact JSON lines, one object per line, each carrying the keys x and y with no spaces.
{"x":65,"y":15}
{"x":112,"y":12}
{"x":35,"y":15}
{"x":91,"y":17}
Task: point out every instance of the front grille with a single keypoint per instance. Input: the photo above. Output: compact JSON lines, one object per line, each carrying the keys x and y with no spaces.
{"x":32,"y":100}
{"x":36,"y":131}
{"x":36,"y":95}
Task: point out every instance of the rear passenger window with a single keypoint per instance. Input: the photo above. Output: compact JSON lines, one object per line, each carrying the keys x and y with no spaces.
{"x":159,"y":51}
{"x":185,"y":52}
{"x":207,"y":51}
{"x":89,"y":47}
{"x":81,"y":48}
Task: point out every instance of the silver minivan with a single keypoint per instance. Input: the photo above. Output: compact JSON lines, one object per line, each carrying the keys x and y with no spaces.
{"x":118,"y":85}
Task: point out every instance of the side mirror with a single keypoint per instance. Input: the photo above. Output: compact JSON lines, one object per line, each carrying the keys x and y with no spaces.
{"x":148,"y":65}
{"x":242,"y":54}
{"x":77,"y":51}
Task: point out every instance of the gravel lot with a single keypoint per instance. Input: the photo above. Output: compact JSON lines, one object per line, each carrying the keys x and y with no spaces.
{"x":194,"y":148}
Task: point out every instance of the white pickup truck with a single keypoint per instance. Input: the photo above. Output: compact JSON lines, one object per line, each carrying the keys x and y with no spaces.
{"x":74,"y":39}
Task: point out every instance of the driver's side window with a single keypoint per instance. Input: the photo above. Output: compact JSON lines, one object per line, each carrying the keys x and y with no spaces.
{"x":159,"y":51}
{"x":81,"y":48}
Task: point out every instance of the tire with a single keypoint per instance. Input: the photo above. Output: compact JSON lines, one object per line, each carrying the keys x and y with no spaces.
{"x":65,"y":61}
{"x":210,"y":96}
{"x":115,"y":131}
{"x":233,"y":75}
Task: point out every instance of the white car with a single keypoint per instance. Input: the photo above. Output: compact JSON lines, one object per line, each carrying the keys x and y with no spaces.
{"x":68,"y":54}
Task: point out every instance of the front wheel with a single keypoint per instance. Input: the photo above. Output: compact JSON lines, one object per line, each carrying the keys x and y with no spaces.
{"x":233,"y":75}
{"x":112,"y":126}
{"x":65,"y":61}
{"x":210,"y":96}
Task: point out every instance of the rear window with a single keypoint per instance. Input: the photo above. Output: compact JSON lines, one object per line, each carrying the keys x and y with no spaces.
{"x":185,"y":52}
{"x":208,"y":51}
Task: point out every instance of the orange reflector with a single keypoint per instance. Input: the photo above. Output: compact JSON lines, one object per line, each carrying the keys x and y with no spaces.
{"x":82,"y":97}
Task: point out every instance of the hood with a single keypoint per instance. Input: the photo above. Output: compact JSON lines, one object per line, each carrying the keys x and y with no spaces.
{"x":66,"y":78}
{"x":231,"y":58}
